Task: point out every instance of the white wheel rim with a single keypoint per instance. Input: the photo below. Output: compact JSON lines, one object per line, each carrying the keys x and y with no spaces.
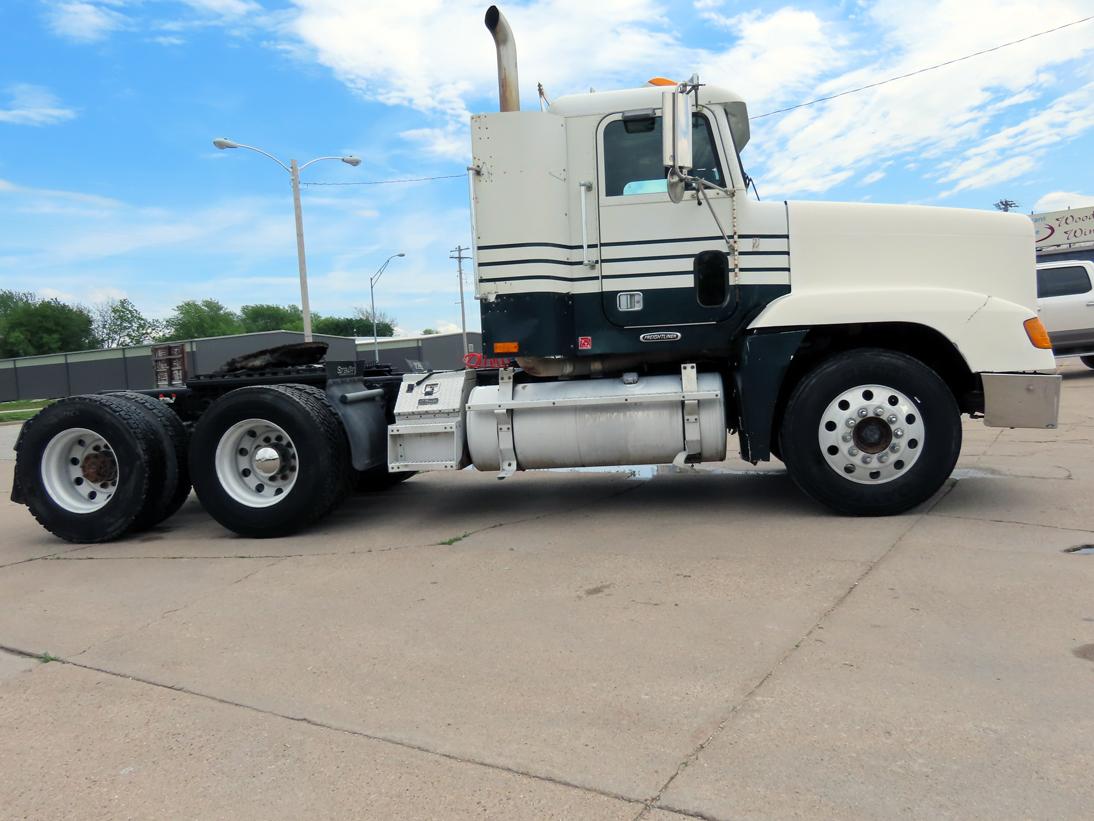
{"x":79,"y":470}
{"x":871,"y":434}
{"x":256,"y":463}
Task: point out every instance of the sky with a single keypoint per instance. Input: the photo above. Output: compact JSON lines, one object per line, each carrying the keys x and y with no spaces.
{"x":110,"y":186}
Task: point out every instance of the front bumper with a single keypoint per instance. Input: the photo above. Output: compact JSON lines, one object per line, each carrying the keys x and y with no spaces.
{"x":1021,"y":400}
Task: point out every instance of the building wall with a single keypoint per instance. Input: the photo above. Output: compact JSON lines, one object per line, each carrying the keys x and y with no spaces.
{"x":436,"y":351}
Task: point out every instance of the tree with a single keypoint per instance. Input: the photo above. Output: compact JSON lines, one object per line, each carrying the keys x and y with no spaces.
{"x":340,"y":325}
{"x":428,"y":331}
{"x":118,"y":324}
{"x":385,"y":325}
{"x":29,"y":326}
{"x":1006,"y":205}
{"x":271,"y":318}
{"x":193,"y":320}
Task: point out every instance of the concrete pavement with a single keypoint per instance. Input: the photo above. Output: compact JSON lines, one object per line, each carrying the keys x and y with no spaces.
{"x":582,"y":645}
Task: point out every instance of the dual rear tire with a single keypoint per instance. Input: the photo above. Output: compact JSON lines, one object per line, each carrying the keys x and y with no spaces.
{"x":93,"y":468}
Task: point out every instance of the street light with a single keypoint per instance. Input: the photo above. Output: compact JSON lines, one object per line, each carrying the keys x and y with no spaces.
{"x":294,"y":172}
{"x":372,"y":280}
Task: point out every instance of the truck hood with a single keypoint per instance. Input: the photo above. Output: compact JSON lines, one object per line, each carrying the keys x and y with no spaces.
{"x":852,"y":247}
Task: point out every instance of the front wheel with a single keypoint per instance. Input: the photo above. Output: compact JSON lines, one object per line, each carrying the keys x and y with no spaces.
{"x":871,"y":433}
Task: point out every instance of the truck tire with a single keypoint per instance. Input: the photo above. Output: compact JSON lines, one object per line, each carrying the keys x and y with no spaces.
{"x":375,"y":480}
{"x":268,"y":460}
{"x":336,"y":430}
{"x":1087,"y":360}
{"x":166,"y":501}
{"x":86,"y":467}
{"x":871,"y":432}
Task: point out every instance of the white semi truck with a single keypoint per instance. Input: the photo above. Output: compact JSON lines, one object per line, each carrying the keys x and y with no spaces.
{"x":645,"y":308}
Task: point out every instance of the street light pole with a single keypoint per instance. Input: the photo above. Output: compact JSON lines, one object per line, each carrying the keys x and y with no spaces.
{"x":301,"y":261}
{"x":294,"y":174}
{"x":372,"y":280}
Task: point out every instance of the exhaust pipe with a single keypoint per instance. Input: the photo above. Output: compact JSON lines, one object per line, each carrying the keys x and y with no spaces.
{"x":508,"y":86}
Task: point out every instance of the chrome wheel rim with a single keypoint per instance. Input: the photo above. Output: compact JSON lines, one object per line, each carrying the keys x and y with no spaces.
{"x":256,"y":463}
{"x":79,"y":470}
{"x":871,"y":434}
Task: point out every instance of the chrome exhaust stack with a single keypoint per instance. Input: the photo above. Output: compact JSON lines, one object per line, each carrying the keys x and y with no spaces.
{"x":508,"y":85}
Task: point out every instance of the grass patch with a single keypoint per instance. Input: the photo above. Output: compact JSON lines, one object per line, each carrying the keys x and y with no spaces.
{"x":21,"y":410}
{"x":46,"y":658}
{"x":455,"y":539}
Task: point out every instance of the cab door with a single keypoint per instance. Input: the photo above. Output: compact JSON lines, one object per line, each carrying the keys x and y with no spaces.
{"x":663,"y":263}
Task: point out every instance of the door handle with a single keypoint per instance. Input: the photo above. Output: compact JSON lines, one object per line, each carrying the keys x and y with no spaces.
{"x":585,"y":187}
{"x":1090,"y":304}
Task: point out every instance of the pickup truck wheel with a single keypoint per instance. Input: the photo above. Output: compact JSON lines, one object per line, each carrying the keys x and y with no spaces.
{"x":871,"y":433}
{"x":1087,"y":360}
{"x":267,"y":461}
{"x":85,"y":467}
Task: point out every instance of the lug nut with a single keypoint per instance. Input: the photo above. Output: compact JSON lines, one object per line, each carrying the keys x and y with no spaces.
{"x":862,"y":413}
{"x":879,"y":411}
{"x":894,"y":448}
{"x":851,"y":423}
{"x":846,"y":437}
{"x":898,"y":433}
{"x":892,"y":419}
{"x":883,"y":458}
{"x":852,"y":451}
{"x":867,"y":459}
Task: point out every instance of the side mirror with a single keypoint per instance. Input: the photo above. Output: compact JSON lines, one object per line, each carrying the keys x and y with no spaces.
{"x":676,"y":130}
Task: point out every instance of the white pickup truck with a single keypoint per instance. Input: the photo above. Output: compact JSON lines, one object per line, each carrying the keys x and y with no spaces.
{"x":1065,"y":300}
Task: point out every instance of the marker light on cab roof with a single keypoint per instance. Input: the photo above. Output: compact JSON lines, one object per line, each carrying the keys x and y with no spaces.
{"x":661,"y":81}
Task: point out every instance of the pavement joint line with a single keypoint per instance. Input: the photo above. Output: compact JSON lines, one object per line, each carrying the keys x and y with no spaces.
{"x":321,"y":725}
{"x":655,"y":801}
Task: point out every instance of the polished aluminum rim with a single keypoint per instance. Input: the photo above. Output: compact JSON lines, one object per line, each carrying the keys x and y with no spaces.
{"x":871,"y":434}
{"x":79,"y":470}
{"x":256,"y":463}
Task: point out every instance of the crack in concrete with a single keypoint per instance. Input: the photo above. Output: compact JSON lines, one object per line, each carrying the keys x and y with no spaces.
{"x":1010,"y":522}
{"x":655,"y":802}
{"x":322,"y":725}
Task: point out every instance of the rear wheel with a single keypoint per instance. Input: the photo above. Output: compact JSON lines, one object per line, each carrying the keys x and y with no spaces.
{"x":86,"y":467}
{"x":871,"y":433}
{"x":268,"y":460}
{"x":1087,"y":360}
{"x":167,"y":495}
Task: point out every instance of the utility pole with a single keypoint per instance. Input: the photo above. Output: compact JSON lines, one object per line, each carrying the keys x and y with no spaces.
{"x":457,"y":254}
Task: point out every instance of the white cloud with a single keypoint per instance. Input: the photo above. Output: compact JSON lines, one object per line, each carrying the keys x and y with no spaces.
{"x":33,"y":105}
{"x":83,"y":21}
{"x":932,"y":115}
{"x":224,"y":8}
{"x":776,"y":56}
{"x":1063,"y":200}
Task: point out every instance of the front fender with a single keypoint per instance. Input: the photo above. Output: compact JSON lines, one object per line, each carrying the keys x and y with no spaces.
{"x":985,"y":330}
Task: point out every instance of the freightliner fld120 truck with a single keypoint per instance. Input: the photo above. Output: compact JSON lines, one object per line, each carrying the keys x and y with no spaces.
{"x":645,"y":308}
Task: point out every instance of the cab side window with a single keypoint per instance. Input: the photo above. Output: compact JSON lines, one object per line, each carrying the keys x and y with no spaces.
{"x":1062,"y":281}
{"x":632,"y":156}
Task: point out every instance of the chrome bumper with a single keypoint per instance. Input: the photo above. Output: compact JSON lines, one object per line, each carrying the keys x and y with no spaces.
{"x":1021,"y":400}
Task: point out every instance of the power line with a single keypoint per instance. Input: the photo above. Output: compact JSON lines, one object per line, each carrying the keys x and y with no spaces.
{"x":922,"y":70}
{"x":390,"y":182}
